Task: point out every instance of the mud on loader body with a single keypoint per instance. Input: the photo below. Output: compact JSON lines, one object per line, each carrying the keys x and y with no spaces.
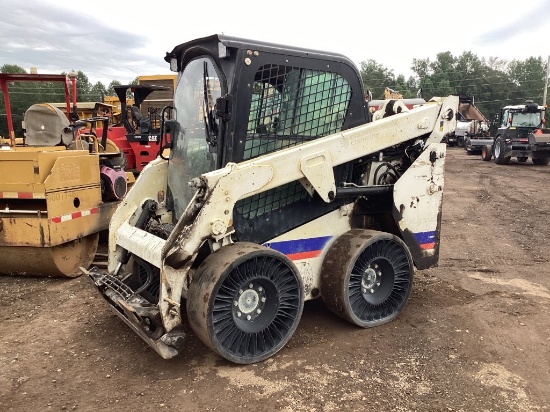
{"x":286,"y":194}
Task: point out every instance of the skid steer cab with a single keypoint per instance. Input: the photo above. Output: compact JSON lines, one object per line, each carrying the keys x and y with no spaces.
{"x":277,"y":190}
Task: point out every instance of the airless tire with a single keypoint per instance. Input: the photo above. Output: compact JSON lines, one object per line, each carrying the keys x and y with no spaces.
{"x":245,"y":302}
{"x":367,"y":277}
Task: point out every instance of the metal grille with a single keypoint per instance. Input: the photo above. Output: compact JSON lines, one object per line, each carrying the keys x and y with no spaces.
{"x":290,"y":106}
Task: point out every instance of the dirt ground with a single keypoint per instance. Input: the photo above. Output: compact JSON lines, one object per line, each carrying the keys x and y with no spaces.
{"x":475,"y":335}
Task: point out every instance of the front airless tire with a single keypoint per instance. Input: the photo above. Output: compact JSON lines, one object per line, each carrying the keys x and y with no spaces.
{"x":245,"y":302}
{"x":541,"y":162}
{"x":367,"y":277}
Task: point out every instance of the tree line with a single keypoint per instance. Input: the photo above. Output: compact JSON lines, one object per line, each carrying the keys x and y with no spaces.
{"x":493,"y":83}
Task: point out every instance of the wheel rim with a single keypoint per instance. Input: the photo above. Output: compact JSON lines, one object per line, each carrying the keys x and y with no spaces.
{"x":254,"y":306}
{"x":497,"y":149}
{"x":248,"y":316}
{"x":380,"y":281}
{"x":248,"y":307}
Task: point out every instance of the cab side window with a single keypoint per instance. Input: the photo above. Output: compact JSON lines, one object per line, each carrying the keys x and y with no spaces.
{"x":290,"y":106}
{"x":504,"y":120}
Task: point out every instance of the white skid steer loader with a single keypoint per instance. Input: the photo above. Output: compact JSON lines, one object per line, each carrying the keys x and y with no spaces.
{"x":278,"y":189}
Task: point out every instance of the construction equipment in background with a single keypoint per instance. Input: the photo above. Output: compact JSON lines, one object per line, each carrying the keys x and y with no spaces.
{"x":140,"y":119}
{"x":392,"y":94}
{"x":289,"y":194}
{"x":158,"y":99}
{"x":521,"y":135}
{"x":86,"y":110}
{"x":58,"y":187}
{"x":374,"y":105}
{"x":472,"y":127}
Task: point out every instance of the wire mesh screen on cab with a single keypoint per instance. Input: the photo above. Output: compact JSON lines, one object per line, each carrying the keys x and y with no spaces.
{"x":290,"y":106}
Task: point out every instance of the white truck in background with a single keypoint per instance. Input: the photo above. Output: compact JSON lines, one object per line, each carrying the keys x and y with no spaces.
{"x":472,"y":127}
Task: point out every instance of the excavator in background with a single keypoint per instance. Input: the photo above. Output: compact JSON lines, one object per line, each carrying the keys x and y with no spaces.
{"x":59,"y":187}
{"x":161,"y":98}
{"x":392,"y":94}
{"x":287,"y":193}
{"x":137,"y":130}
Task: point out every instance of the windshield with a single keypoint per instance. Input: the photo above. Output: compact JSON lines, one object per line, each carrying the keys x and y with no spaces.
{"x":191,"y":154}
{"x":526,"y":119}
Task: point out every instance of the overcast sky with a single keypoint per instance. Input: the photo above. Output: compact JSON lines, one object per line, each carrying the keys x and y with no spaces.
{"x":122,"y":40}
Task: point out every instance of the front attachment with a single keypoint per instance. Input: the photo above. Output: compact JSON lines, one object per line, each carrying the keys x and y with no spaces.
{"x":142,"y":316}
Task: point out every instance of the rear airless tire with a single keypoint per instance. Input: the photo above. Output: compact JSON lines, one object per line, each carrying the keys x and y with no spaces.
{"x":245,"y":302}
{"x":367,"y":277}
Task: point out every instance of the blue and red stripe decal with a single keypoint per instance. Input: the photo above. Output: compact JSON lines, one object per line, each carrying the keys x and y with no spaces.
{"x":298,"y":249}
{"x":426,"y":240}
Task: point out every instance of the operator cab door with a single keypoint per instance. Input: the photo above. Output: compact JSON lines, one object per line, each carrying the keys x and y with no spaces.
{"x":276,"y":99}
{"x":193,"y":145}
{"x":504,"y":123}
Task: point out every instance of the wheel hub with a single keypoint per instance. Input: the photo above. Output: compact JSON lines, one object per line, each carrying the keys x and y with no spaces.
{"x":371,"y":278}
{"x":250,"y":302}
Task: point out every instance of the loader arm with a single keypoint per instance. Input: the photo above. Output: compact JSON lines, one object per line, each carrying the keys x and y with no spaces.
{"x":313,"y":162}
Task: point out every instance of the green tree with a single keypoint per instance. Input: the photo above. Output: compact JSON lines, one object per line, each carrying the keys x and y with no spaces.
{"x":83,"y":87}
{"x":376,"y":78}
{"x":111,"y":87}
{"x":98,"y":92}
{"x":20,"y":95}
{"x":12,"y":69}
{"x":436,"y":78}
{"x":529,"y":75}
{"x":408,"y":88}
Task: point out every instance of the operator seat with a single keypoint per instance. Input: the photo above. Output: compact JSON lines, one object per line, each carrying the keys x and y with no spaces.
{"x":136,"y":114}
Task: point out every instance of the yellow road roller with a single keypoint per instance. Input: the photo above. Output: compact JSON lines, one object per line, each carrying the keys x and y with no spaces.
{"x":58,"y":189}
